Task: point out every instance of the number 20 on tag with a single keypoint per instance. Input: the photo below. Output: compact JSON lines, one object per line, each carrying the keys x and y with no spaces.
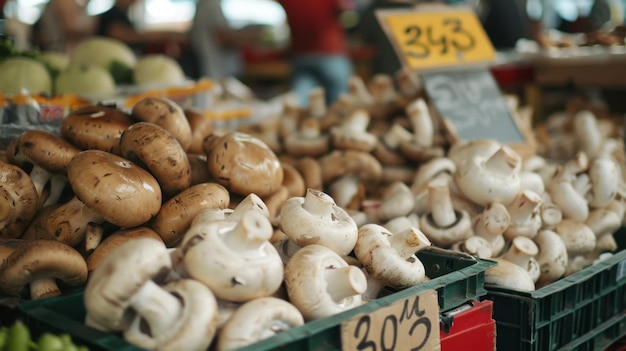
{"x":434,"y":39}
{"x":410,"y":324}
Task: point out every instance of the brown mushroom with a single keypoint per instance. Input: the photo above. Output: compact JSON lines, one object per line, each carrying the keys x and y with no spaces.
{"x":108,"y":188}
{"x":18,"y":201}
{"x":201,"y":127}
{"x":293,"y":180}
{"x":243,"y":164}
{"x":175,"y":215}
{"x":149,"y":145}
{"x":340,"y":163}
{"x":199,"y":169}
{"x":95,"y":127}
{"x":166,"y":114}
{"x":38,"y":226}
{"x":38,"y":263}
{"x":49,"y":156}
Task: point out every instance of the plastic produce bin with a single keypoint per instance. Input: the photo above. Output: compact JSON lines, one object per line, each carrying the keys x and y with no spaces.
{"x":470,"y":327}
{"x":585,"y":311}
{"x":457,"y":279}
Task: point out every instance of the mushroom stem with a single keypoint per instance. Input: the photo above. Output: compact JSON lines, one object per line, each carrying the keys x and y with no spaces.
{"x":396,"y":135}
{"x":421,"y":121}
{"x":491,"y":223}
{"x":550,"y":214}
{"x":310,"y":128}
{"x":40,"y":177}
{"x":408,"y":241}
{"x":582,"y":184}
{"x":317,"y":104}
{"x":442,"y":210}
{"x":69,"y":221}
{"x":356,"y":122}
{"x":344,"y":282}
{"x":57,"y":184}
{"x":158,"y":307}
{"x":524,"y":207}
{"x":249,"y":234}
{"x":318,"y":203}
{"x":250,"y":202}
{"x":504,"y":161}
{"x":44,"y":288}
{"x":93,"y":236}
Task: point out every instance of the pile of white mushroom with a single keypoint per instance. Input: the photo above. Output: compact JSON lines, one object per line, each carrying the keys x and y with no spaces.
{"x":175,"y":221}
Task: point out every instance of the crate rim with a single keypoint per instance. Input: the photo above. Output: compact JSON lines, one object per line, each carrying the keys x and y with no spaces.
{"x":477,"y":266}
{"x":564,"y":283}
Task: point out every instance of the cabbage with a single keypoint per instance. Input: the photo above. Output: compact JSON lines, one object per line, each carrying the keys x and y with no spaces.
{"x":158,"y":69}
{"x":22,"y":74}
{"x":84,"y":80}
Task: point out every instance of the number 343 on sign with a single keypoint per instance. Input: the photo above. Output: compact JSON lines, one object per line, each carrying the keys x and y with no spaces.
{"x":434,"y":39}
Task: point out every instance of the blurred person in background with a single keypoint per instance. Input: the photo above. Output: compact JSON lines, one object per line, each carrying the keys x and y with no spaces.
{"x":319,"y":47}
{"x":116,"y":23}
{"x":63,"y":23}
{"x":217,"y":46}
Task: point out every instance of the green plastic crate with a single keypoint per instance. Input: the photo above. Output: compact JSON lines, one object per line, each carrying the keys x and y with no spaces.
{"x":585,"y":311}
{"x":457,"y":278}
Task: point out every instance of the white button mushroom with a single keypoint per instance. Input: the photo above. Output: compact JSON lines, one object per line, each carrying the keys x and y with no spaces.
{"x":604,"y":175}
{"x":352,"y":133}
{"x":390,"y":257}
{"x":126,"y":281}
{"x":257,"y":320}
{"x":509,"y":275}
{"x":193,"y":329}
{"x":525,"y":217}
{"x":320,"y":283}
{"x":522,"y":252}
{"x":444,"y":225}
{"x":552,"y":257}
{"x":490,"y":179}
{"x":490,"y":224}
{"x":235,"y":259}
{"x":316,"y":219}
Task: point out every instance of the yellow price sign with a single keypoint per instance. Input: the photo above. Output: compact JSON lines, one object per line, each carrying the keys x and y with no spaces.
{"x":437,"y":37}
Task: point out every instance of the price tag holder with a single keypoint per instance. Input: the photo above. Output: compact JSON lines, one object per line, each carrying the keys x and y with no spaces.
{"x":408,"y":324}
{"x":429,"y":37}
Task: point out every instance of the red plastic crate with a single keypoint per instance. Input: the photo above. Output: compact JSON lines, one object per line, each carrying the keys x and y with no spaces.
{"x":471,"y":327}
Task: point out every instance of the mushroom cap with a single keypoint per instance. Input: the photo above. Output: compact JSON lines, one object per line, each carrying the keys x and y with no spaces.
{"x":115,"y":240}
{"x":338,"y":163}
{"x":197,"y":325}
{"x":119,"y":277}
{"x":335,"y":230}
{"x":251,"y":269}
{"x":464,"y":150}
{"x":307,"y":287}
{"x":18,"y":201}
{"x":552,"y":256}
{"x":167,"y":114}
{"x":148,"y":144}
{"x":577,"y":236}
{"x":177,"y":213}
{"x":297,"y":145}
{"x":383,"y":261}
{"x":257,"y":320}
{"x":489,"y":179}
{"x":509,"y":275}
{"x":95,"y":127}
{"x":44,"y":149}
{"x":243,"y":164}
{"x":36,"y":259}
{"x":123,"y":193}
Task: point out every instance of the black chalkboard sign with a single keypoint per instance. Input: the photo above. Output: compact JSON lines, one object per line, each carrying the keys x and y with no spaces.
{"x":472,"y":101}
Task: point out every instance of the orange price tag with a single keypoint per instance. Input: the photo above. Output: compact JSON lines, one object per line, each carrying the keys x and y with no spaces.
{"x":407,"y":324}
{"x":436,"y":37}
